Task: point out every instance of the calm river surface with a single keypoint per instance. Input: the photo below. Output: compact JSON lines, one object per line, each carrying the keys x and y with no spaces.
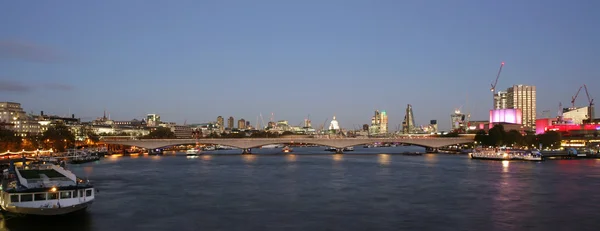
{"x":368,"y":189}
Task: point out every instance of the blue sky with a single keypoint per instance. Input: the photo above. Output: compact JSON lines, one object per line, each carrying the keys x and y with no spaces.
{"x":195,"y":60}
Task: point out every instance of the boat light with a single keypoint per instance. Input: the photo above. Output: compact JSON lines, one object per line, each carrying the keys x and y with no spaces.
{"x":53,"y":189}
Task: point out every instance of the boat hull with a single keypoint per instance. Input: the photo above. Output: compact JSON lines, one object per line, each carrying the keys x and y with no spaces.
{"x":47,"y":211}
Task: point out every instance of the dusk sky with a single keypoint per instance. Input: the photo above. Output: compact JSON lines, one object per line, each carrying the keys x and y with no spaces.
{"x":195,"y":60}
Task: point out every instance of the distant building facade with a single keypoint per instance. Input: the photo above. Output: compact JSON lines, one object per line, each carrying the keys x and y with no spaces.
{"x":523,"y":97}
{"x":379,"y":123}
{"x":21,"y":123}
{"x":153,"y":120}
{"x":230,"y":123}
{"x":242,"y":124}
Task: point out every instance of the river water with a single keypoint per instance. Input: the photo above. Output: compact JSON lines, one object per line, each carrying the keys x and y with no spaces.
{"x":368,"y":189}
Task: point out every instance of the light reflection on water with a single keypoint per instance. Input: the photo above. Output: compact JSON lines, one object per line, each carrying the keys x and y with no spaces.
{"x":306,"y":192}
{"x":291,"y":158}
{"x":338,"y":157}
{"x":249,"y":158}
{"x":505,"y":164}
{"x":384,"y":159}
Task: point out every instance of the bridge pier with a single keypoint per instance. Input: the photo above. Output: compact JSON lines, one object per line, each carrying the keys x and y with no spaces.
{"x":339,"y":151}
{"x":432,"y":150}
{"x":247,"y":151}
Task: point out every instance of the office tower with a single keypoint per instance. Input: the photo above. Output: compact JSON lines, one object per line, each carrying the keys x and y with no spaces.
{"x":408,"y":125}
{"x":523,"y":97}
{"x":220,"y":123}
{"x":241,"y":124}
{"x":230,"y":122}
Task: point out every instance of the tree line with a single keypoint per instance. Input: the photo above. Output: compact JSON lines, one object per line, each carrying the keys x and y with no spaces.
{"x":497,"y":137}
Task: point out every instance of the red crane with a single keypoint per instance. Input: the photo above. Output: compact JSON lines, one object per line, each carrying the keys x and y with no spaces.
{"x":493,"y":89}
{"x":591,"y":103}
{"x":573,"y":98}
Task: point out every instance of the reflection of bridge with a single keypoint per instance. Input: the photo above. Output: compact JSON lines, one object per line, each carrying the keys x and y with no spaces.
{"x":339,"y":143}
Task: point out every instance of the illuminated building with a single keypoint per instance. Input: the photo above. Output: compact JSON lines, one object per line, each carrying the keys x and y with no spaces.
{"x":511,"y":116}
{"x":500,"y":100}
{"x":220,"y":123}
{"x":379,"y":123}
{"x":408,"y":124}
{"x":459,"y":122}
{"x":21,"y":123}
{"x":230,"y":122}
{"x":334,"y":125}
{"x":153,"y":120}
{"x":242,"y":124}
{"x":576,"y":115}
{"x":523,"y":97}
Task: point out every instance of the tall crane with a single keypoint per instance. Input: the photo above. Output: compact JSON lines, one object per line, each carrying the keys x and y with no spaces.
{"x":493,"y":89}
{"x":573,"y":98}
{"x":591,"y":104}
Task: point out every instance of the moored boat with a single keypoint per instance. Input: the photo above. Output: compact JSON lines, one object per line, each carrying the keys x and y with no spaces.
{"x":193,"y":152}
{"x":287,"y":149}
{"x":505,"y":154}
{"x":44,"y":189}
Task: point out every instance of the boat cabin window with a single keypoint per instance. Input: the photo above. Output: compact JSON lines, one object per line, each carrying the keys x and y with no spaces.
{"x":26,"y":197}
{"x":14,"y":198}
{"x":88,"y":192}
{"x":65,"y":195}
{"x":52,"y":196}
{"x":80,"y":193}
{"x":39,"y":196}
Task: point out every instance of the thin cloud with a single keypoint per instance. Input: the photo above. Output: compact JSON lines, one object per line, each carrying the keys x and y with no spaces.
{"x":11,"y":86}
{"x":24,"y":51}
{"x":14,"y":86}
{"x":58,"y":86}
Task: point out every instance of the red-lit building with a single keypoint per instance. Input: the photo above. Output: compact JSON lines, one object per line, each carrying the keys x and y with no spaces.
{"x":550,"y":124}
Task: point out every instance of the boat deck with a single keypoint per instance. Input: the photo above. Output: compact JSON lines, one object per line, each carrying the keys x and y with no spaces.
{"x":36,"y":173}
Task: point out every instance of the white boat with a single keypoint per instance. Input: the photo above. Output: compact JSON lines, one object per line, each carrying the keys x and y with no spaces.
{"x":193,"y":152}
{"x":272,"y":146}
{"x":287,"y":149}
{"x":348,"y":149}
{"x":44,"y":189}
{"x":209,"y":148}
{"x":505,"y":154}
{"x":81,"y":156}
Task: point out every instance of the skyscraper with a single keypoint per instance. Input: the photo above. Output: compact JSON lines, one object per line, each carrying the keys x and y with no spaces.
{"x":408,"y":125}
{"x":523,"y":97}
{"x":241,"y":124}
{"x":230,"y":122}
{"x":379,"y":123}
{"x":220,"y":123}
{"x":500,"y":100}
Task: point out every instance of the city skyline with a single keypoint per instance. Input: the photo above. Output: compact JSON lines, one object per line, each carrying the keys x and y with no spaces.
{"x":193,"y":62}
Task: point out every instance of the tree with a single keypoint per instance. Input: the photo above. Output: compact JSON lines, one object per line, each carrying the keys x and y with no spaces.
{"x":9,"y":140}
{"x":482,"y":138}
{"x":93,"y":137}
{"x":161,"y":133}
{"x":496,"y":135}
{"x":550,"y":139}
{"x":513,"y":137}
{"x":58,"y":137}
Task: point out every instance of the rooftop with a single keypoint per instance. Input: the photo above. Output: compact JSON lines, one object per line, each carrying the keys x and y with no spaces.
{"x":36,"y":173}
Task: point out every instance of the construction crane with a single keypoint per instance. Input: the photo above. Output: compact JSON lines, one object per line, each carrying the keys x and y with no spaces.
{"x":560,"y":112}
{"x":591,"y":104}
{"x":493,"y":89}
{"x":573,"y":98}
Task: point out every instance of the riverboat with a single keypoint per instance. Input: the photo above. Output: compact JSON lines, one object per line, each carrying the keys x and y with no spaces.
{"x":505,"y":154}
{"x":287,"y":149}
{"x":192,"y":152}
{"x":43,"y":189}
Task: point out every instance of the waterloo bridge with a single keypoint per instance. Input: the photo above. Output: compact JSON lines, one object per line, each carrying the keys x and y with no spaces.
{"x":246,"y":144}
